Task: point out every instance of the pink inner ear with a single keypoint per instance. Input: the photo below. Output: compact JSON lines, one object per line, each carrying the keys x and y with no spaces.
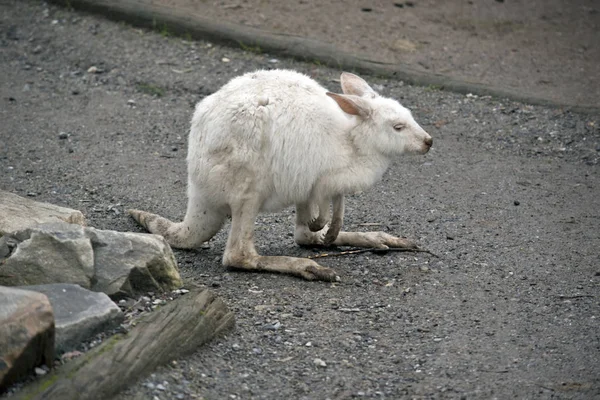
{"x":345,"y":104}
{"x":355,"y":85}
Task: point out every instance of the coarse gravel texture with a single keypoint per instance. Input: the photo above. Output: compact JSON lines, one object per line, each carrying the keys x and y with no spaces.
{"x":508,"y":198}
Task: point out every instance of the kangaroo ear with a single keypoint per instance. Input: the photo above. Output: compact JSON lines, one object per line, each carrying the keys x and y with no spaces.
{"x":354,"y":84}
{"x":352,"y":105}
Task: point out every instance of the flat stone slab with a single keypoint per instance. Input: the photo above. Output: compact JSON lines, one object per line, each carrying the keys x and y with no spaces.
{"x":18,"y":213}
{"x":79,"y":313}
{"x":26,"y":333}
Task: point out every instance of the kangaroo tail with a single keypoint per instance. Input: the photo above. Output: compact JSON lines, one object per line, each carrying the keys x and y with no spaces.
{"x":171,"y":231}
{"x":189,"y":234}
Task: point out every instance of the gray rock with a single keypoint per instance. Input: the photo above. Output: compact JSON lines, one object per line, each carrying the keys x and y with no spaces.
{"x":50,"y":253}
{"x":79,"y":313}
{"x":26,"y":333}
{"x":129,"y":263}
{"x":18,"y":213}
{"x":116,"y":263}
{"x":4,"y":248}
{"x":319,"y":363}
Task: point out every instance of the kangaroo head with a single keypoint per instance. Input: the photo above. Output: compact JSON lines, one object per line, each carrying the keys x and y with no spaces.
{"x":387,"y":126}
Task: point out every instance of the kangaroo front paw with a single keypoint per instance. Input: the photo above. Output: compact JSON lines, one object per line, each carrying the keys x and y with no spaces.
{"x":317,"y":224}
{"x":332,"y":234}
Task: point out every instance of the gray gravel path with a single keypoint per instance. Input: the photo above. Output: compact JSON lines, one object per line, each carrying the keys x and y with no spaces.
{"x":508,"y":198}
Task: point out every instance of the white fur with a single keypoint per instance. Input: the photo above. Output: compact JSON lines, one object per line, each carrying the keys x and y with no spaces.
{"x":299,"y":139}
{"x":270,"y":139}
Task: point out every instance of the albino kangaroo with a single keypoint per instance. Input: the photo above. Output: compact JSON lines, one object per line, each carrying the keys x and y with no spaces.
{"x":270,"y":139}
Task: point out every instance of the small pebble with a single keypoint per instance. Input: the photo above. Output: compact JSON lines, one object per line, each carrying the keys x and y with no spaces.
{"x":517,"y":202}
{"x":319,"y":363}
{"x":63,"y":135}
{"x":225,"y":60}
{"x":160,"y":387}
{"x":272,"y":327}
{"x":40,"y":371}
{"x":92,"y":70}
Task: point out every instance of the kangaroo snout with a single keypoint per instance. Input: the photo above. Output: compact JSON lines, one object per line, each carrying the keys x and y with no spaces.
{"x":427,"y":143}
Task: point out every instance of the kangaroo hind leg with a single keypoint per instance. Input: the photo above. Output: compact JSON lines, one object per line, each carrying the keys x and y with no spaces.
{"x":240,"y":251}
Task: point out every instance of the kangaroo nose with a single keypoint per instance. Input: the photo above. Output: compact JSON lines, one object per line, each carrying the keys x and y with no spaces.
{"x":429,"y":141}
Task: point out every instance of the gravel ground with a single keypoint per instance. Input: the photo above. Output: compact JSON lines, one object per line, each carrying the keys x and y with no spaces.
{"x":508,"y":198}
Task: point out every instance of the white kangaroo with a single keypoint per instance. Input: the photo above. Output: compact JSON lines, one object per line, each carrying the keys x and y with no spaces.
{"x":270,"y":139}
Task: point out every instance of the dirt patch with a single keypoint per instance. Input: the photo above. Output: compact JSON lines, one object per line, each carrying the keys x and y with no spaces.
{"x":546,"y":49}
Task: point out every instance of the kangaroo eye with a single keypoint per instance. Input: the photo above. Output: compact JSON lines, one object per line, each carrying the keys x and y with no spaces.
{"x":399,"y":127}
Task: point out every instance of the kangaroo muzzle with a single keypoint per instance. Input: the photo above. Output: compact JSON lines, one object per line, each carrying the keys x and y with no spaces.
{"x":427,"y":143}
